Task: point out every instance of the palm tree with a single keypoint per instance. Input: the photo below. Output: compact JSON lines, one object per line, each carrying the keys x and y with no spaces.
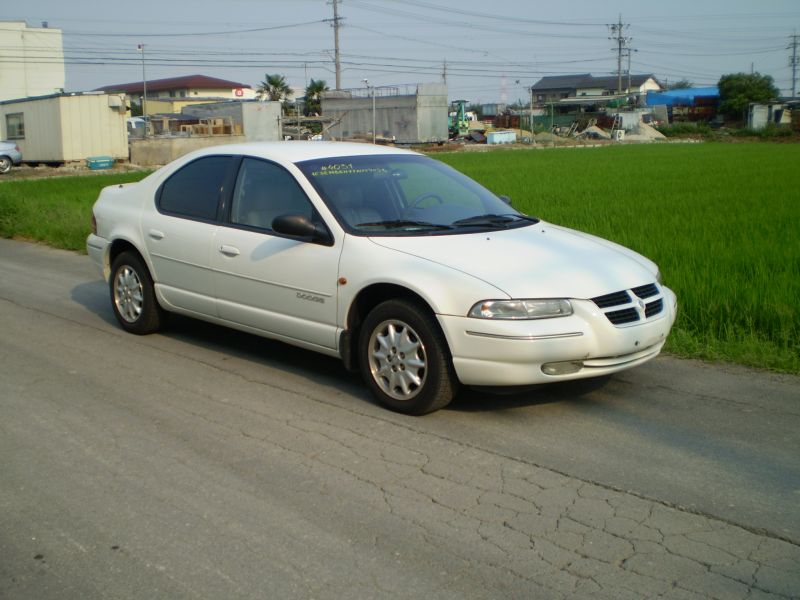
{"x":274,"y":87}
{"x":314,"y":91}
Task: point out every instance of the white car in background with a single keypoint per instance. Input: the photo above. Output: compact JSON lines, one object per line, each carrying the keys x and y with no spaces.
{"x":406,"y":269}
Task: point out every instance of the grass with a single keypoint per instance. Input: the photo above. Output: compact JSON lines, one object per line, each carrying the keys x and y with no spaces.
{"x":721,"y":220}
{"x":701,"y":129}
{"x":54,"y":210}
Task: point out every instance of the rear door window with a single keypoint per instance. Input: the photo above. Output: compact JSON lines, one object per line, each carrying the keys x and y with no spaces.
{"x":194,"y":190}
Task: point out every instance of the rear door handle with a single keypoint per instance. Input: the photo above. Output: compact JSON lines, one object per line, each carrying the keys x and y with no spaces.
{"x":229,"y":250}
{"x":156,"y":234}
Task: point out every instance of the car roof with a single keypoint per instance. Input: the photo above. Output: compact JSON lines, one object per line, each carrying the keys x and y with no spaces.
{"x":299,"y":151}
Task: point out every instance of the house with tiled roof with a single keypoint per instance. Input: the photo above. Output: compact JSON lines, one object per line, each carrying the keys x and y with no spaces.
{"x":561,"y":88}
{"x":188,"y":86}
{"x":170,"y":95}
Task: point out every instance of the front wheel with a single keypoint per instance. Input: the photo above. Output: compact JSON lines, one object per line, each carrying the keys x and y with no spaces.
{"x":5,"y":164}
{"x":133,"y":296}
{"x":404,"y":358}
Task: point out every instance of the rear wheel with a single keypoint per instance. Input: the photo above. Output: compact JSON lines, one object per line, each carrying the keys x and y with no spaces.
{"x":5,"y":164}
{"x":133,"y":295}
{"x":404,"y":358}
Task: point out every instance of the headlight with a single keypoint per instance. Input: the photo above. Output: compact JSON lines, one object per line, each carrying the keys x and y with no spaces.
{"x":521,"y":309}
{"x":659,"y":278}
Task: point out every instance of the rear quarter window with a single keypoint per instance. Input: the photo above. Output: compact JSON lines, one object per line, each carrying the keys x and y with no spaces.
{"x":194,"y":190}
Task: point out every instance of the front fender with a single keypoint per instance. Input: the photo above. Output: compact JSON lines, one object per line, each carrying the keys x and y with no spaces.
{"x":446,"y":290}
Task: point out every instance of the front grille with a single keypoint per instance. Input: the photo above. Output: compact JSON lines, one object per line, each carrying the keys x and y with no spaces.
{"x":614,"y":299}
{"x":620,"y":317}
{"x":646,"y":291}
{"x":628,"y":309}
{"x":653,"y":308}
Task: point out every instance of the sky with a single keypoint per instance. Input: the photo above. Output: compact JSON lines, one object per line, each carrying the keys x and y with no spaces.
{"x":487,"y":52}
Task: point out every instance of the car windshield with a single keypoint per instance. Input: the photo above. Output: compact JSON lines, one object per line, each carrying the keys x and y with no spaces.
{"x":406,"y":195}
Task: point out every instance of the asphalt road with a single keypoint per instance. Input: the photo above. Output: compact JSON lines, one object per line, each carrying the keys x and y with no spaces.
{"x":206,"y":463}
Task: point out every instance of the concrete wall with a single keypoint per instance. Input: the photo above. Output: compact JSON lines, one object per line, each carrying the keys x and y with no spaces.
{"x":260,"y":121}
{"x":417,"y":118}
{"x":160,"y":151}
{"x":169,"y":105}
{"x":40,"y":71}
{"x":432,"y":109}
{"x":65,"y":128}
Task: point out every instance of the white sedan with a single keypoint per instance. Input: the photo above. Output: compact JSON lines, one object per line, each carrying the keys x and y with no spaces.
{"x":407,"y":270}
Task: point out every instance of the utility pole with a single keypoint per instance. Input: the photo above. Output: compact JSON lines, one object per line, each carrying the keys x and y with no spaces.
{"x":616,"y":34}
{"x":444,"y":72}
{"x":144,"y":91}
{"x":530,"y":115}
{"x":336,"y":23}
{"x":793,"y":62}
{"x":628,"y":52}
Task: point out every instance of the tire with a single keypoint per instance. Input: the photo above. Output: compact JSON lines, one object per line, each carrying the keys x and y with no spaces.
{"x":133,"y":296}
{"x":404,"y":358}
{"x":5,"y":164}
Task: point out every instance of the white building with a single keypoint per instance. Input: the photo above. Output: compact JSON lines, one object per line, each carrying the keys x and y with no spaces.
{"x":32,"y":61}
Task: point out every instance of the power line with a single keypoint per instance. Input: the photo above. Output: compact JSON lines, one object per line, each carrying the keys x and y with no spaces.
{"x":197,"y":34}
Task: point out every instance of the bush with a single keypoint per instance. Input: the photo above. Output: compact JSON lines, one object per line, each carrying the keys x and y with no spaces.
{"x":768,"y":132}
{"x":700,"y":128}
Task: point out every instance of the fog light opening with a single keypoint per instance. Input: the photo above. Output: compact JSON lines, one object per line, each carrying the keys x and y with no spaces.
{"x":562,"y":368}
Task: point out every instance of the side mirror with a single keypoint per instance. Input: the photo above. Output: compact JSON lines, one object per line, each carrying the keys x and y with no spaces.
{"x":301,"y":226}
{"x":505,"y":199}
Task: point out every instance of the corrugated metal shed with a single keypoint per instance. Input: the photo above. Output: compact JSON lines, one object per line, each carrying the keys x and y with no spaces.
{"x":67,"y":127}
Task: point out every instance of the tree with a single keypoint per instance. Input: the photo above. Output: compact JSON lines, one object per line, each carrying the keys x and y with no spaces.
{"x":681,"y":84}
{"x":314,"y":91}
{"x":274,"y":87}
{"x":738,"y":90}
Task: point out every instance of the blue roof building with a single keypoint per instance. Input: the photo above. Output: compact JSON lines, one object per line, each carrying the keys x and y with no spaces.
{"x":684,"y":97}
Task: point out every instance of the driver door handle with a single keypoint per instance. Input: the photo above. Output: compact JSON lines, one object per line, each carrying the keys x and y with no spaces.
{"x":229,"y":250}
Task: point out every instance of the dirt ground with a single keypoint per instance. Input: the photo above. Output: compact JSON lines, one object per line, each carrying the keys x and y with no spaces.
{"x":25,"y":171}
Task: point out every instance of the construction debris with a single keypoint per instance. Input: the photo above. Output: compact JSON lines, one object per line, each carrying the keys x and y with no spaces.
{"x":595,"y":133}
{"x":650,"y":132}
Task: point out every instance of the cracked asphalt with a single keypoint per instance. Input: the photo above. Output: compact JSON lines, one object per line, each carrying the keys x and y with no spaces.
{"x":203,"y":463}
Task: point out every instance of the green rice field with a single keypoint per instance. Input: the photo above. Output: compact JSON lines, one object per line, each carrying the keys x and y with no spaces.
{"x":721,"y":220}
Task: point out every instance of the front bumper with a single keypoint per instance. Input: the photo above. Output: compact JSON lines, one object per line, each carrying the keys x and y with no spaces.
{"x":509,"y":353}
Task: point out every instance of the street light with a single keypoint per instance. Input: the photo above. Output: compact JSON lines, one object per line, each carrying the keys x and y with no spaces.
{"x":371,"y":89}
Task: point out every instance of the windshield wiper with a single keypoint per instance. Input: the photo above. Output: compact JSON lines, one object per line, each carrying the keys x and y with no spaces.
{"x":403,"y":224}
{"x":493,"y":219}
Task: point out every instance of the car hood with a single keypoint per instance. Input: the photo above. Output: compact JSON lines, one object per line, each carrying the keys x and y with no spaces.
{"x":537,"y":261}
